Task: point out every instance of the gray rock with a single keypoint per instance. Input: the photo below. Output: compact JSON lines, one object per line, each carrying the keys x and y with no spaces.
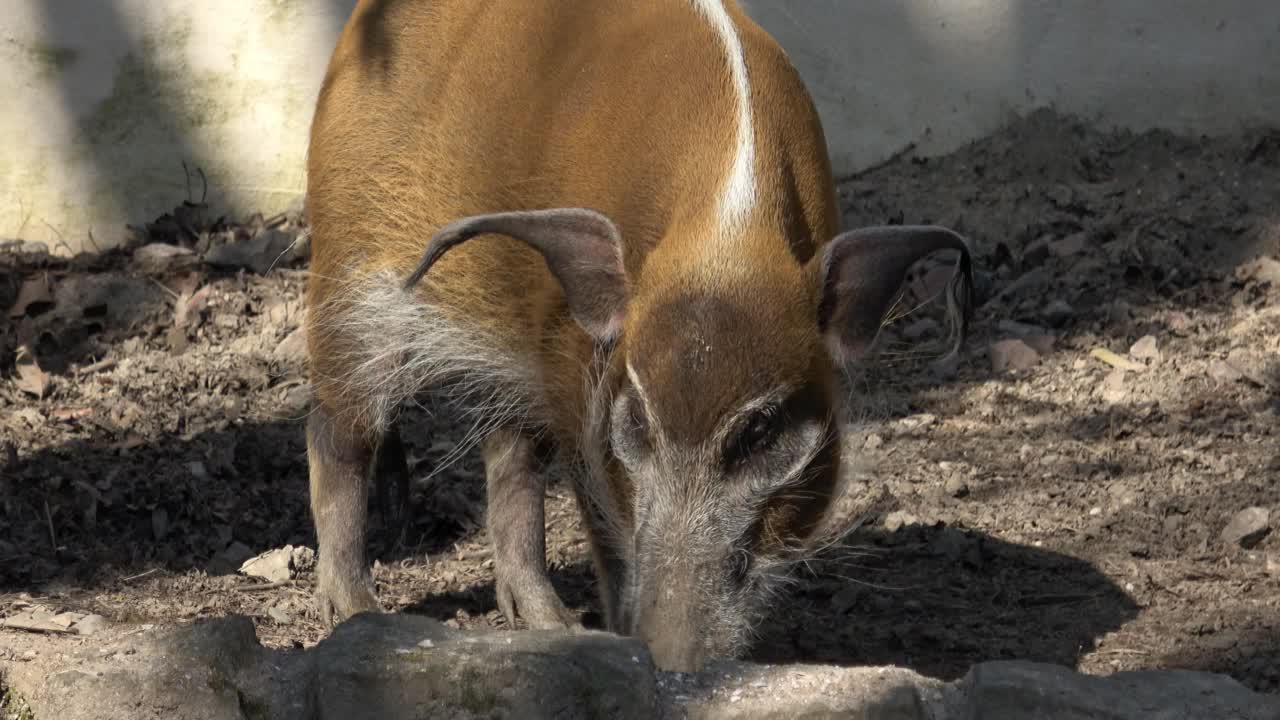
{"x":260,"y":254}
{"x":1247,"y":527}
{"x":90,"y":625}
{"x":293,"y":348}
{"x":895,"y":520}
{"x":1114,"y":388}
{"x":280,"y":615}
{"x":1252,"y":365}
{"x":36,"y":619}
{"x":1146,"y":349}
{"x":1224,"y":372}
{"x":125,"y":298}
{"x":203,"y":672}
{"x":1018,"y":329}
{"x":1058,"y":313}
{"x":272,"y":565}
{"x":230,"y":559}
{"x":1051,"y":692}
{"x":377,"y":665}
{"x":403,"y":666}
{"x":1012,"y":354}
{"x":1262,"y":269}
{"x":1069,"y":245}
{"x":738,"y":691}
{"x":956,"y":486}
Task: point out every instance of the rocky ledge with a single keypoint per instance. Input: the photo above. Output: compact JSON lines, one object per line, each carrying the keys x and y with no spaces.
{"x":402,"y":666}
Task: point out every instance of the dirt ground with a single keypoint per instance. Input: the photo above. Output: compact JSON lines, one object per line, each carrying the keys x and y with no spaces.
{"x":1059,"y":509}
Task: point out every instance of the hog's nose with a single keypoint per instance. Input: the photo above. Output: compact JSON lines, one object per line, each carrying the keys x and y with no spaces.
{"x":667,"y":622}
{"x":674,"y":654}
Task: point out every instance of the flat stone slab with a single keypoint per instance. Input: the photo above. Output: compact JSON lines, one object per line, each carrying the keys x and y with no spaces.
{"x":403,"y":666}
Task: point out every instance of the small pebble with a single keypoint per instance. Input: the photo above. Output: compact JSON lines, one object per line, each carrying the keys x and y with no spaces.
{"x":280,"y":616}
{"x":1247,"y":527}
{"x":1012,"y":354}
{"x":90,"y":624}
{"x":1146,"y":349}
{"x":1223,"y":371}
{"x":1058,"y":312}
{"x":896,"y":519}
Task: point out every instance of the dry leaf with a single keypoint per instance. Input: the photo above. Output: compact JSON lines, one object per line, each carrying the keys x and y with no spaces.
{"x":35,"y":291}
{"x":188,"y":306}
{"x":31,"y":379}
{"x":161,"y":258}
{"x":184,"y":283}
{"x":71,"y":413}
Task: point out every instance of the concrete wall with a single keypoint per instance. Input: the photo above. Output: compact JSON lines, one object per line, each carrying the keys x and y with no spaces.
{"x":104,"y":99}
{"x":939,"y":73}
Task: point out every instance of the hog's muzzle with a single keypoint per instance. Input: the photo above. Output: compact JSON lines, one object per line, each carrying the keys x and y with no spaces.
{"x":669,"y":621}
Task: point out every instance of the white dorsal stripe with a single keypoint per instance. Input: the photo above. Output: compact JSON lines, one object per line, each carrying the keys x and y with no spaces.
{"x":738,"y":195}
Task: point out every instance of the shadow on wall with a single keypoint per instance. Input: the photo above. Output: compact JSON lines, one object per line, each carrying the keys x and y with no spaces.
{"x":145,"y":98}
{"x":145,"y":89}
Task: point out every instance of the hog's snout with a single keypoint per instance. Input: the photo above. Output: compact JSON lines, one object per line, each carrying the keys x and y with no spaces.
{"x":669,"y":621}
{"x":690,"y":615}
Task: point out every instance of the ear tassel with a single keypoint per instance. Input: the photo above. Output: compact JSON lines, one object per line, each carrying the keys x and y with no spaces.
{"x":863,"y":272}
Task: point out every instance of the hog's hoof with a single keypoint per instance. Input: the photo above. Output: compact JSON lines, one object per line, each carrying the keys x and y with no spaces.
{"x":336,"y":604}
{"x":538,"y":604}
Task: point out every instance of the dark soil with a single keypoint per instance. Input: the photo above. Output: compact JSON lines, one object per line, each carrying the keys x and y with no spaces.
{"x":1065,"y":511}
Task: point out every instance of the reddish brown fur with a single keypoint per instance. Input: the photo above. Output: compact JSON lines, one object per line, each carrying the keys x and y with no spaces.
{"x":409,"y":135}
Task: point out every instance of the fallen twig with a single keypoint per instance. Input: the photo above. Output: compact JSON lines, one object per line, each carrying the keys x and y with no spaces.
{"x":48,"y":517}
{"x":141,"y":575}
{"x":265,"y":586}
{"x":1116,"y":361}
{"x":103,"y":364}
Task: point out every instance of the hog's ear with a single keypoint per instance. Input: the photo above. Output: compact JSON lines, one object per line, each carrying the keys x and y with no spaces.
{"x":582,"y":249}
{"x":863,"y":272}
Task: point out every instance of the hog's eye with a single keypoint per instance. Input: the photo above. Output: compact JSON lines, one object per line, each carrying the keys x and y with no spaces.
{"x":638,"y":422}
{"x":758,"y":434}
